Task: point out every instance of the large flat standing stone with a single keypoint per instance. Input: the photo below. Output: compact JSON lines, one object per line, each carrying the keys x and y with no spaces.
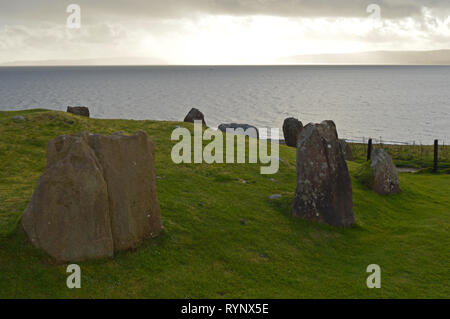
{"x":68,"y":215}
{"x":129,"y":172}
{"x":96,"y":196}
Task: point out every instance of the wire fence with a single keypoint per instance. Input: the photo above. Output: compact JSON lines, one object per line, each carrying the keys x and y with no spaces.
{"x":380,"y":140}
{"x":409,"y":153}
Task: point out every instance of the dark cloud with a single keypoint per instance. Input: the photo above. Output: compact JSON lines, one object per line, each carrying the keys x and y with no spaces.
{"x":52,"y":10}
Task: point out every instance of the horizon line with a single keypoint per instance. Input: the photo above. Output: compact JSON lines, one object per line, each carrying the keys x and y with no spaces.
{"x":216,"y":65}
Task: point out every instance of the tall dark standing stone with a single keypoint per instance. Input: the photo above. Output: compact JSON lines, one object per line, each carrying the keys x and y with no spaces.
{"x":324,"y":189}
{"x":195,"y":115}
{"x":292,"y":128}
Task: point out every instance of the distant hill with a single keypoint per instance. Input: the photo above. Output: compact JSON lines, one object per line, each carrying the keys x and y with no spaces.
{"x":439,"y":57}
{"x":90,"y":62}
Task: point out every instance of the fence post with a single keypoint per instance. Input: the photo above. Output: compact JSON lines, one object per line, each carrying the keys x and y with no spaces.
{"x":435,"y":164}
{"x":369,"y":149}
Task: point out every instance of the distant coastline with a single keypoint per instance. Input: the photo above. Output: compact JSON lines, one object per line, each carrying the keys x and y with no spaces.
{"x":436,"y":57}
{"x":373,"y":58}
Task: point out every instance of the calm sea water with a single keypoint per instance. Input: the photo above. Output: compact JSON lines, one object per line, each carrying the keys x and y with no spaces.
{"x":394,"y":103}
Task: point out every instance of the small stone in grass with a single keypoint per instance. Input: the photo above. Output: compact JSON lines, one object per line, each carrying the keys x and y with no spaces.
{"x":18,"y":118}
{"x":242,"y":221}
{"x":79,"y":110}
{"x":275,"y":196}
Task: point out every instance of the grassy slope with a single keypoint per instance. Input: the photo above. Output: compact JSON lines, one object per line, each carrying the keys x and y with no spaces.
{"x":206,"y":252}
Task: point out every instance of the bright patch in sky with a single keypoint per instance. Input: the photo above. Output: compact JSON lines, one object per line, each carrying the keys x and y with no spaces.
{"x":221,"y":39}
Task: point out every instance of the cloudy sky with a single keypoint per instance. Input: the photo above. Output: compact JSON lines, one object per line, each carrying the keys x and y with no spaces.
{"x":218,"y":31}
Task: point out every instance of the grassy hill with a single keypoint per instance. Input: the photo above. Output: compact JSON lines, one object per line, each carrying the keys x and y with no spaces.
{"x":205,"y":251}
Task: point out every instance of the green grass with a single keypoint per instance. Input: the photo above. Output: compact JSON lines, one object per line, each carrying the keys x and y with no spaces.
{"x":205,"y":252}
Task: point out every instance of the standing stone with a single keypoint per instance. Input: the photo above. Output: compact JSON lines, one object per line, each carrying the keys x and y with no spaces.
{"x":96,"y":196}
{"x":195,"y":115}
{"x":68,"y":215}
{"x":78,"y":110}
{"x":292,"y":128}
{"x":384,"y":172}
{"x":129,"y":171}
{"x":324,"y":189}
{"x":348,"y":155}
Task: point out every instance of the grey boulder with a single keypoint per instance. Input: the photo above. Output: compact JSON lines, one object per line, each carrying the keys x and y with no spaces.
{"x":384,"y":173}
{"x":292,"y":129}
{"x":195,"y":115}
{"x":247,"y":129}
{"x":18,"y":118}
{"x":78,"y":110}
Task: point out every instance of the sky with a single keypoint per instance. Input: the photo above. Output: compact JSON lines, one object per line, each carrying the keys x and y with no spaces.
{"x":217,"y":31}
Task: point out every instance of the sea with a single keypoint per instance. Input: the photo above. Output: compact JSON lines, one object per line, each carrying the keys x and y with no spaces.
{"x":398,"y":104}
